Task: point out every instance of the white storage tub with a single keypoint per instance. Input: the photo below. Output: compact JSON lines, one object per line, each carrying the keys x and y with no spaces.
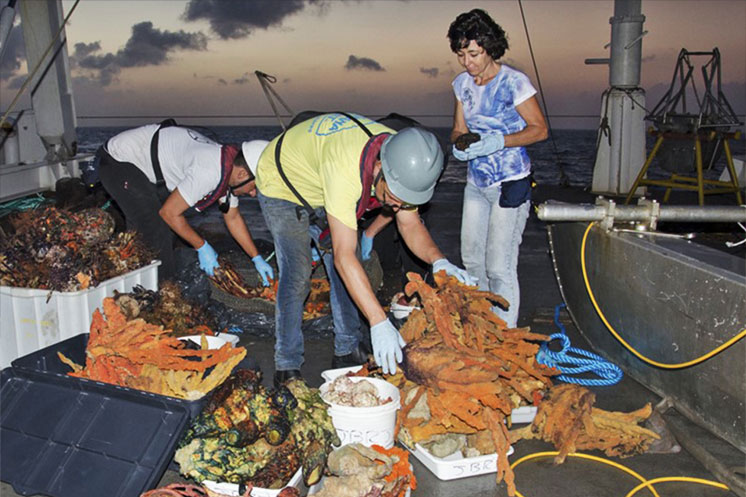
{"x":456,"y":465}
{"x":33,"y":319}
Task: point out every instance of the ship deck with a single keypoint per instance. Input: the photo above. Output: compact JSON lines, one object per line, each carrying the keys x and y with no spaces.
{"x":540,"y":296}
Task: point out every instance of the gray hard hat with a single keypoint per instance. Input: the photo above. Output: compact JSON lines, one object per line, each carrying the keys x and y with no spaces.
{"x":412,"y":161}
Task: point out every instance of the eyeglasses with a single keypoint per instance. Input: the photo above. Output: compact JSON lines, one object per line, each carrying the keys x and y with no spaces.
{"x":241,"y":185}
{"x":401,"y":206}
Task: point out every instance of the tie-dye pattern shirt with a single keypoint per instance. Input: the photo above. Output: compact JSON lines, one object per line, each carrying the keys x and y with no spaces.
{"x":491,"y":109}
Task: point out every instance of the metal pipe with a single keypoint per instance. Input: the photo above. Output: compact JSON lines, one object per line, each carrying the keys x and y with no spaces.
{"x":626,"y":44}
{"x":7,"y":15}
{"x":694,"y":214}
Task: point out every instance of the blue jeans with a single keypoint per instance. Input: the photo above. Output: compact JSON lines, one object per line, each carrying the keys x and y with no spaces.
{"x":292,"y":235}
{"x":490,"y":238}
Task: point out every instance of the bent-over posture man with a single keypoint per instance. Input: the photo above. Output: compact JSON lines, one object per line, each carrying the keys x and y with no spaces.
{"x":339,"y":171}
{"x":196,"y":171}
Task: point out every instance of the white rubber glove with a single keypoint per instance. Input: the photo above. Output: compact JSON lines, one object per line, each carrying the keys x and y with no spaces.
{"x":487,"y":145}
{"x":208,"y":259}
{"x":460,"y":154}
{"x":366,"y":246}
{"x":387,"y":344}
{"x":453,"y":270}
{"x":264,"y":269}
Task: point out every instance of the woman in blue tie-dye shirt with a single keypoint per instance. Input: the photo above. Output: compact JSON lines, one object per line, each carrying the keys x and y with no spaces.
{"x":497,"y":102}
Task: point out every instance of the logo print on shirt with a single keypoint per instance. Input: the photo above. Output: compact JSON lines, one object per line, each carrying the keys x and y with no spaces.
{"x":199,"y":137}
{"x":329,"y":124}
{"x":467,"y":99}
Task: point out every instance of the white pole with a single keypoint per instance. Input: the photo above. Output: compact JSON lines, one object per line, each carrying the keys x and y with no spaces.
{"x":621,"y":150}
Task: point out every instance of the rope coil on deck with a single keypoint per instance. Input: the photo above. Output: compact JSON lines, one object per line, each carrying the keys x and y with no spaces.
{"x":567,"y":361}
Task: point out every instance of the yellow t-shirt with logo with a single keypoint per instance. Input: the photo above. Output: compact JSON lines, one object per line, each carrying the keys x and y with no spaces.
{"x":321,"y":158}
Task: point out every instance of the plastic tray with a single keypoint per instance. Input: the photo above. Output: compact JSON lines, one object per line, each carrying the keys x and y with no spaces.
{"x":33,"y":319}
{"x":47,"y":362}
{"x":456,"y":466}
{"x":231,"y":489}
{"x":525,"y":414}
{"x":213,"y":342}
{"x":332,"y":374}
{"x":78,"y":439}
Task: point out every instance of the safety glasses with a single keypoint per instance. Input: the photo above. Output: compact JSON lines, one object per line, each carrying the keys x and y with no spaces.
{"x":400,"y":206}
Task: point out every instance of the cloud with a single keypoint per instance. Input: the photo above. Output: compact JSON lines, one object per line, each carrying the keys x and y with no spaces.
{"x":85,"y":49}
{"x":431,"y":72}
{"x":362,"y":63}
{"x":242,"y":80}
{"x":231,"y":19}
{"x":14,"y":54}
{"x":147,"y":46}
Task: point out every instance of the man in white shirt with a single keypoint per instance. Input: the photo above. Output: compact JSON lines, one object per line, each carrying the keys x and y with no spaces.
{"x":197,"y":172}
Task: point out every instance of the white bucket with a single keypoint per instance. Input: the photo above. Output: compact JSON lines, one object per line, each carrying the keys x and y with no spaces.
{"x":366,"y":425}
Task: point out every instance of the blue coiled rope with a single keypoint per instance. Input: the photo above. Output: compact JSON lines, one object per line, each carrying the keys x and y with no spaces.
{"x":609,"y":373}
{"x":23,"y":204}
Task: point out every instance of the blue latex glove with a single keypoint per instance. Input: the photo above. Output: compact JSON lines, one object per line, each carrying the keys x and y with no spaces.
{"x":455,"y":271}
{"x":264,"y":269}
{"x":487,"y":145}
{"x":460,"y":154}
{"x":208,"y":259}
{"x":315,"y":257}
{"x":387,"y":344}
{"x":366,"y":245}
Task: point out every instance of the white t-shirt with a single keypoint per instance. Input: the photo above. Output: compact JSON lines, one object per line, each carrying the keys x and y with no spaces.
{"x":189,"y":160}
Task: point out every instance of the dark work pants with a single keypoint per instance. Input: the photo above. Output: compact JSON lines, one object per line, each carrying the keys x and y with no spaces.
{"x":140,"y":202}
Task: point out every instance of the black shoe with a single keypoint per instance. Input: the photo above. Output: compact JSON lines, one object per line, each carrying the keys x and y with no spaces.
{"x":355,"y":358}
{"x":281,"y":377}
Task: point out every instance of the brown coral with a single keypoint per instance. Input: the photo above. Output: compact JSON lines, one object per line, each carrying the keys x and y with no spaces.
{"x":139,"y":355}
{"x":567,"y":419}
{"x":472,"y":369}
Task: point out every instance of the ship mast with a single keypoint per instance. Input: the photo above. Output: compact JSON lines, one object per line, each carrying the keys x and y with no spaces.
{"x":621,"y":140}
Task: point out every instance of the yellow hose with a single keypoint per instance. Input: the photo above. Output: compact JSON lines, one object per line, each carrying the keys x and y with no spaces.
{"x":579,"y":455}
{"x":645,"y":483}
{"x":628,"y":346}
{"x":687,"y":479}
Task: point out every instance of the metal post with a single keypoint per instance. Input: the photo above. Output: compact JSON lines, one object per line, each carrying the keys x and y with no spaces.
{"x":626,"y":43}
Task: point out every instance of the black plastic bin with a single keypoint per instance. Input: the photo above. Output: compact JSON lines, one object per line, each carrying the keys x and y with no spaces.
{"x":47,"y":361}
{"x":82,"y":438}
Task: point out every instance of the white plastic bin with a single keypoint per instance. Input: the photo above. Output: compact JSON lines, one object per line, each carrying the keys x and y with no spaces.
{"x":456,"y":465}
{"x":32,"y":319}
{"x":366,"y":425}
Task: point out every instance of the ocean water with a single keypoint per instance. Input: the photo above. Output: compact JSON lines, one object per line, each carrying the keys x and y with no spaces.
{"x":571,"y":152}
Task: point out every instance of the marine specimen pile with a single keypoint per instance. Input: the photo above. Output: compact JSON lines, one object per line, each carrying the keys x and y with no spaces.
{"x":227,"y":279}
{"x":250,"y":435}
{"x":166,"y":307}
{"x":464,"y":371}
{"x":368,"y":471}
{"x":135,"y":354}
{"x":53,"y":249}
{"x":566,"y":418}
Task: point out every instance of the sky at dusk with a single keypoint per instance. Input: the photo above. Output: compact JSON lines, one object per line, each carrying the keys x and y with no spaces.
{"x":198,"y":57}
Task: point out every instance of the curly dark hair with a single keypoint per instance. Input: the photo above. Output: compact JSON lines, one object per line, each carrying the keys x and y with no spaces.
{"x":477,"y":25}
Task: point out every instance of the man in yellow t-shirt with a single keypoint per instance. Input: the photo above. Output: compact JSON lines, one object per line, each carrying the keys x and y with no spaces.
{"x":340,"y":170}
